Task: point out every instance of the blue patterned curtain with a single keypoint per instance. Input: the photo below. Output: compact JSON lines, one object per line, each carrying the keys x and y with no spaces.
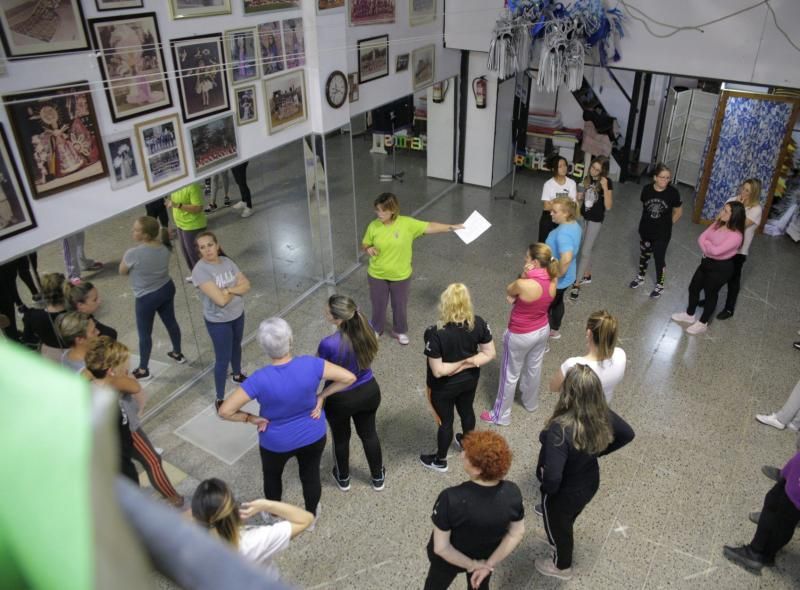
{"x":749,"y":145}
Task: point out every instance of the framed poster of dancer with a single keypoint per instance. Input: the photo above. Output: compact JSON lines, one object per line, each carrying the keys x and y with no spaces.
{"x":270,"y":40}
{"x":161,"y":150}
{"x":58,"y":137}
{"x":200,"y":73}
{"x":125,"y":167}
{"x":294,"y":43}
{"x":246,"y":111}
{"x":240,"y":52}
{"x":213,"y":143}
{"x":15,"y":210}
{"x":370,"y":12}
{"x":286,"y":100}
{"x":37,"y":27}
{"x":132,"y":64}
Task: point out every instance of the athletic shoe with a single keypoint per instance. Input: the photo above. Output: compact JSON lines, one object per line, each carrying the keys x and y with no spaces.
{"x":158,"y":450}
{"x":342,"y":483}
{"x":637,"y":282}
{"x":574,"y":293}
{"x":486,"y":416}
{"x":188,"y":279}
{"x":210,"y":208}
{"x":724,"y":314}
{"x":770,"y":420}
{"x":76,"y":281}
{"x":546,"y":567}
{"x":142,"y":374}
{"x":656,"y":293}
{"x":401,"y":338}
{"x":771,"y":472}
{"x":793,"y":427}
{"x":378,"y":483}
{"x":217,"y":405}
{"x":683,"y":318}
{"x":432,"y":462}
{"x":239,"y":378}
{"x":744,"y":557}
{"x":555,"y":335}
{"x":458,"y":438}
{"x":246,"y":212}
{"x":313,"y":524}
{"x":796,"y":345}
{"x":240,"y":205}
{"x":585,"y":281}
{"x":177,"y":357}
{"x":538,"y":509}
{"x":227,"y":202}
{"x":697,"y":328}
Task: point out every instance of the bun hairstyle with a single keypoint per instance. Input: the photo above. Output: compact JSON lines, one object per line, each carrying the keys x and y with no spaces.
{"x":569,"y":206}
{"x":153,"y":230}
{"x":76,"y":294}
{"x":53,"y":288}
{"x":603,"y":327}
{"x":71,"y":326}
{"x":103,"y":355}
{"x":214,"y":507}
{"x":355,"y":330}
{"x":544,"y":256}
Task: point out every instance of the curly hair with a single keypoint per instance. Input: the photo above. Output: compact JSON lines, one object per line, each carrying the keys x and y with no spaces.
{"x":455,"y":306}
{"x":489,"y":452}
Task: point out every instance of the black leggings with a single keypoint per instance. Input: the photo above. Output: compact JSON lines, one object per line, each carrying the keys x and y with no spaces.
{"x":546,"y":225}
{"x":240,"y":176}
{"x":158,"y":210}
{"x":555,"y":314}
{"x":308,"y":460}
{"x":559,"y":513}
{"x":360,"y":403}
{"x":657,"y":248}
{"x":441,"y":574}
{"x":735,"y":282}
{"x":445,"y":403}
{"x":709,"y":277}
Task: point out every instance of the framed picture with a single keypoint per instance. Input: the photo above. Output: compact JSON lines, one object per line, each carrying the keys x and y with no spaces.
{"x":421,"y":12}
{"x":58,"y":137}
{"x":213,"y":143}
{"x":161,"y":149}
{"x":401,"y":63}
{"x":373,"y":58}
{"x":30,"y":28}
{"x":330,"y":6}
{"x":245,"y":101}
{"x":200,"y":74}
{"x":124,"y":165}
{"x":370,"y":12}
{"x":253,"y":6}
{"x":103,"y":5}
{"x":132,"y":64}
{"x":240,"y":52}
{"x":270,"y":42}
{"x":286,"y":100}
{"x":293,"y":43}
{"x":352,"y":86}
{"x":15,"y":210}
{"x":422,"y":66}
{"x":195,"y":8}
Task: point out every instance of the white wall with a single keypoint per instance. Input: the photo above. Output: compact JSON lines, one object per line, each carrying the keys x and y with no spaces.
{"x":479,"y":140}
{"x":441,"y":133}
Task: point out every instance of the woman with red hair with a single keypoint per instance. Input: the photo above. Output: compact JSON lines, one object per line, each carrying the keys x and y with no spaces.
{"x":477,"y":524}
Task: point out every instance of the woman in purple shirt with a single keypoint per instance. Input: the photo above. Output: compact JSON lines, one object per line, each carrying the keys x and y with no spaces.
{"x":290,"y":410}
{"x":353,"y":346}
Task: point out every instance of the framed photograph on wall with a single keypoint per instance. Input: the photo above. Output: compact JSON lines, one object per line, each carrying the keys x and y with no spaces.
{"x":213,"y":143}
{"x":104,"y":5}
{"x":125,"y":167}
{"x":245,"y":102}
{"x":370,"y":12}
{"x":161,"y":150}
{"x":57,"y":136}
{"x":31,"y":28}
{"x":422,"y":66}
{"x":285,"y":96}
{"x":294,"y":43}
{"x":132,"y":64}
{"x":270,"y":42}
{"x":200,"y":74}
{"x":253,"y":6}
{"x":352,"y":86}
{"x":330,"y":6}
{"x":15,"y":210}
{"x":240,"y":52}
{"x":373,"y":58}
{"x":401,"y":63}
{"x":421,"y":12}
{"x":194,"y":8}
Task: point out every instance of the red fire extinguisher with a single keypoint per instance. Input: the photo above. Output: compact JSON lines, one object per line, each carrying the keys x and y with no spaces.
{"x":479,"y":90}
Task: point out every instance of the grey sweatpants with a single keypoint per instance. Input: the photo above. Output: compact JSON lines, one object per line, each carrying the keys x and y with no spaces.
{"x":790,"y":412}
{"x":590,"y":233}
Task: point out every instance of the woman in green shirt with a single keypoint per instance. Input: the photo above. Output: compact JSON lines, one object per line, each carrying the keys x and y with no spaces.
{"x":388,"y":241}
{"x":187,"y":212}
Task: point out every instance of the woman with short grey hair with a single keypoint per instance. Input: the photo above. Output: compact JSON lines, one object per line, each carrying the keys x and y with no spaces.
{"x":286,"y":391}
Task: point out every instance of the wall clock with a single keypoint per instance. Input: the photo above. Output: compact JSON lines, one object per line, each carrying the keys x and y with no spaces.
{"x":336,"y":89}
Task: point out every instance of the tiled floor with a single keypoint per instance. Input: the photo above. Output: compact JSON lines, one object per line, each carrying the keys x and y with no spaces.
{"x":667,"y":502}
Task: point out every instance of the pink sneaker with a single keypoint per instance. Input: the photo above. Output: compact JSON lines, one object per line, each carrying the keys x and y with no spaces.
{"x":683,"y":317}
{"x":486,"y":416}
{"x":697,"y":328}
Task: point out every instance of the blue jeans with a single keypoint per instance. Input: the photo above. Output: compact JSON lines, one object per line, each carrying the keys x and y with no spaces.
{"x":227,"y":340}
{"x":161,"y":302}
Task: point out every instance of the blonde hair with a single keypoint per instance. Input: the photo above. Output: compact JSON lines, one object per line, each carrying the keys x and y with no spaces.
{"x":103,"y":355}
{"x":603,"y":327}
{"x":582,"y":409}
{"x":755,"y":192}
{"x":71,"y":326}
{"x":544,"y":255}
{"x":570,"y":207}
{"x":455,"y":306}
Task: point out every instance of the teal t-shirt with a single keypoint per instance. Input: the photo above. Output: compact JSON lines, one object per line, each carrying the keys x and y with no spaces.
{"x":566,"y":238}
{"x":394,"y":244}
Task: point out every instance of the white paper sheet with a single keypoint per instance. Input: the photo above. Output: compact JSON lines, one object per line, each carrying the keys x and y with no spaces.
{"x":474,"y":226}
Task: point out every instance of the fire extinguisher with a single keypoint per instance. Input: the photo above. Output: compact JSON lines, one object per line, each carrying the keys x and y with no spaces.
{"x":479,"y":90}
{"x":440,"y":90}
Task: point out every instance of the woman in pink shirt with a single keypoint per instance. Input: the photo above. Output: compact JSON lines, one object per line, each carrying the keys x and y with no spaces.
{"x":719,"y":244}
{"x":525,"y":339}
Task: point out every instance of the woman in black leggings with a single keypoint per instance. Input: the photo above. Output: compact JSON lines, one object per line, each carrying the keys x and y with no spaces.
{"x":353,"y":346}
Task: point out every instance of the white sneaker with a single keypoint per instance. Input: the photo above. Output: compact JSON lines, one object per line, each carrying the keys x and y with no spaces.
{"x":247,"y":212}
{"x":770,"y":420}
{"x":697,"y":328}
{"x":402,"y":338}
{"x":158,"y":450}
{"x":683,"y":317}
{"x":240,"y":205}
{"x":555,"y":335}
{"x":793,"y":427}
{"x":188,"y":279}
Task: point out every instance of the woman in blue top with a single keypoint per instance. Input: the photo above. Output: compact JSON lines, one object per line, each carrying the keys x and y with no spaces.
{"x":353,"y":346}
{"x":564,"y":241}
{"x":286,"y":392}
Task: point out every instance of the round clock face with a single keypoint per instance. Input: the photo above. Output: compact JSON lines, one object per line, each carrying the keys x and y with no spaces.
{"x":336,"y":89}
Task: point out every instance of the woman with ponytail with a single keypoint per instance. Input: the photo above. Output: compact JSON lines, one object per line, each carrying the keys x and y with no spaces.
{"x":525,"y":339}
{"x":214,"y":507}
{"x":603,"y":355}
{"x":84,"y":297}
{"x":148,"y":267}
{"x":40,"y":324}
{"x":353,"y":346}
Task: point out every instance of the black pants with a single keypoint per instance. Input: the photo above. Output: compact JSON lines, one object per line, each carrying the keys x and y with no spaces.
{"x":8,"y":291}
{"x":445,"y":403}
{"x":308,"y":460}
{"x":158,"y":210}
{"x":240,"y":176}
{"x":735,"y":282}
{"x":546,"y":225}
{"x":657,"y":248}
{"x":441,"y":574}
{"x":779,"y":517}
{"x":560,"y":511}
{"x":555,"y":314}
{"x":360,"y":404}
{"x":709,"y":277}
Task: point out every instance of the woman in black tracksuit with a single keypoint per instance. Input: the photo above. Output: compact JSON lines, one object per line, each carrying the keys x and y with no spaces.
{"x":581,"y":429}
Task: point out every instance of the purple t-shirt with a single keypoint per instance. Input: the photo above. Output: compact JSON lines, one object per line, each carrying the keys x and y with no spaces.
{"x":791,"y":473}
{"x":286,"y":395}
{"x":333,"y":350}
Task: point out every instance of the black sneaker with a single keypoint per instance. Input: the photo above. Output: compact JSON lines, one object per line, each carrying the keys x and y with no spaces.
{"x":142,"y":374}
{"x":343,"y":484}
{"x":227,"y":202}
{"x":796,"y":345}
{"x":239,"y":378}
{"x":724,"y":314}
{"x":637,"y":282}
{"x":378,"y":483}
{"x":656,"y":293}
{"x":210,"y":208}
{"x":459,"y":437}
{"x":771,"y":472}
{"x":574,"y":293}
{"x":433,"y":462}
{"x":177,"y":357}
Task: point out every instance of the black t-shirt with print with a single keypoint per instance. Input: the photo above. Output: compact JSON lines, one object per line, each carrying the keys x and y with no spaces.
{"x":656,"y":222}
{"x":593,"y":207}
{"x":453,"y":343}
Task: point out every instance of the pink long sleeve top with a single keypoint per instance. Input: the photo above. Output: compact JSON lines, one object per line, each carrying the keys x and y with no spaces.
{"x":719,"y":244}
